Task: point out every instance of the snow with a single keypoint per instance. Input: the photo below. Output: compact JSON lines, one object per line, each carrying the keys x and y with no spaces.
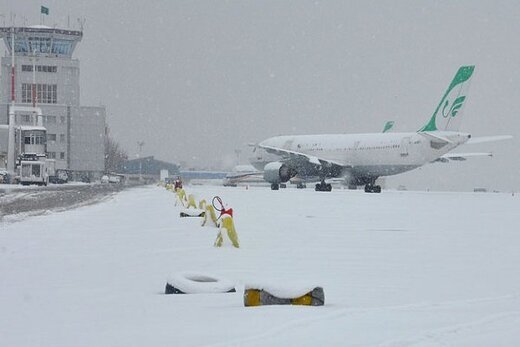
{"x":283,"y":290}
{"x":397,"y":268}
{"x":198,"y":283}
{"x":40,"y":27}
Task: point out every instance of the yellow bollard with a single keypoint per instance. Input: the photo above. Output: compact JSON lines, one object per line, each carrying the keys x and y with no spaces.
{"x":191,"y":201}
{"x":226,"y":222}
{"x":210,"y":214}
{"x":181,"y":197}
{"x":202,"y":204}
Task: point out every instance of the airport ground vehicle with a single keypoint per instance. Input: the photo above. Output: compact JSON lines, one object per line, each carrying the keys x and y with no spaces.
{"x":33,"y":169}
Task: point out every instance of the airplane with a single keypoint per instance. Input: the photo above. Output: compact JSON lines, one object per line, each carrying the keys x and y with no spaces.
{"x":362,"y":158}
{"x":243,"y":174}
{"x":261,"y":158}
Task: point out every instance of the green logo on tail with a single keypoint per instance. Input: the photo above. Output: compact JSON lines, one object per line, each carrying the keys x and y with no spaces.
{"x":457,"y":104}
{"x":451,"y":103}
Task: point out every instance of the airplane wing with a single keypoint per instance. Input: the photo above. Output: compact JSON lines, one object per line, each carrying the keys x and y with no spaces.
{"x":301,"y":159}
{"x":461,"y":156}
{"x":483,"y":139}
{"x":242,"y":175}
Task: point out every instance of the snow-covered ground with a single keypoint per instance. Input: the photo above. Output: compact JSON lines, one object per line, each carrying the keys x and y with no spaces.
{"x":397,"y":268}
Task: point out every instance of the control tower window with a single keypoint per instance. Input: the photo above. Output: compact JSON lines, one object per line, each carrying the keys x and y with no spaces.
{"x":20,"y":46}
{"x":63,"y":47}
{"x":39,"y":44}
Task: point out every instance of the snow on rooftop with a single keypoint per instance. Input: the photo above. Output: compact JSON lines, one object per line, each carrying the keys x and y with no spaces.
{"x":38,"y":26}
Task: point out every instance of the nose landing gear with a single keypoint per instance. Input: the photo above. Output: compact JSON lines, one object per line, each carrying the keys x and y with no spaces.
{"x":372,"y":188}
{"x":323,"y":187}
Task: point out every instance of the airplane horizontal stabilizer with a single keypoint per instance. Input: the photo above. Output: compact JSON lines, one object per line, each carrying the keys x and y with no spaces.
{"x":482,"y":139}
{"x":461,"y":156}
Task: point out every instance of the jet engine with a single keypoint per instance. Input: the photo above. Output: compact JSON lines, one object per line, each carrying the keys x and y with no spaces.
{"x":276,"y":172}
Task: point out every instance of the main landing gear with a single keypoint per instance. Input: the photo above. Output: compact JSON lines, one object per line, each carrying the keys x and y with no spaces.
{"x":371,"y":188}
{"x":276,"y":186}
{"x":323,"y":187}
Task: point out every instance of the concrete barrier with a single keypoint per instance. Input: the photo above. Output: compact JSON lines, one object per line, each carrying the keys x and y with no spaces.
{"x":260,"y":297}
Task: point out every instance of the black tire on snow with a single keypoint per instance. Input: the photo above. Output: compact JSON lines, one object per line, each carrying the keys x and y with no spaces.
{"x":193,"y":283}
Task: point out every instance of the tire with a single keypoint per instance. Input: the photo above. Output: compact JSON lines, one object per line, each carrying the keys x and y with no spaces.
{"x":329,"y":187}
{"x":275,"y":186}
{"x":196,"y":283}
{"x":377,"y":189}
{"x":283,"y":185}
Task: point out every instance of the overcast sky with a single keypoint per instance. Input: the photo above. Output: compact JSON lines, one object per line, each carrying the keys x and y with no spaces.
{"x":196,"y":80}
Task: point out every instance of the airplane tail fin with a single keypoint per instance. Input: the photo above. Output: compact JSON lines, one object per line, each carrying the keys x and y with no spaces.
{"x":447,"y":115}
{"x":388,"y":125}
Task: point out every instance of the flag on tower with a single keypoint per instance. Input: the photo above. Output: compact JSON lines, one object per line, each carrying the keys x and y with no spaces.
{"x":44,"y":10}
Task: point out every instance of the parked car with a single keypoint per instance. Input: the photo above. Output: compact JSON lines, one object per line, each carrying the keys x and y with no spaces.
{"x":5,"y":177}
{"x":61,"y":176}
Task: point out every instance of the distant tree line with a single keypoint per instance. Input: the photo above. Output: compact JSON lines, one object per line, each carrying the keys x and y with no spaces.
{"x":115,"y":155}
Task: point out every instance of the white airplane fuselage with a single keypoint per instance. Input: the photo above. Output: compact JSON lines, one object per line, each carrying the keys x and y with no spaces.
{"x":373,"y":154}
{"x":361,"y":158}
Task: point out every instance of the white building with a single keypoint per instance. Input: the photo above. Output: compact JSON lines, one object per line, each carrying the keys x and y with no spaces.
{"x":75,"y":133}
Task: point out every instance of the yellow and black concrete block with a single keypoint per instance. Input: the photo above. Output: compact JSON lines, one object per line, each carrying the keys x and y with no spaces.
{"x":260,"y":297}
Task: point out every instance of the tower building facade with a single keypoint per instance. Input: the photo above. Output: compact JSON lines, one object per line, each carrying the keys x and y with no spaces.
{"x":47,"y":76}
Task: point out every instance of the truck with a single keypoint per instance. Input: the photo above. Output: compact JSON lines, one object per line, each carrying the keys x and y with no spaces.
{"x":33,"y":169}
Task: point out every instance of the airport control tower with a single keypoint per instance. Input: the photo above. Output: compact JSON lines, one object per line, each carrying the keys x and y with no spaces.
{"x":46,"y":75}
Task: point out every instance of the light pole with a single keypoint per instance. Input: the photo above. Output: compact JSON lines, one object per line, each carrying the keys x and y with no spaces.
{"x":237,"y":152}
{"x":140,"y":144}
